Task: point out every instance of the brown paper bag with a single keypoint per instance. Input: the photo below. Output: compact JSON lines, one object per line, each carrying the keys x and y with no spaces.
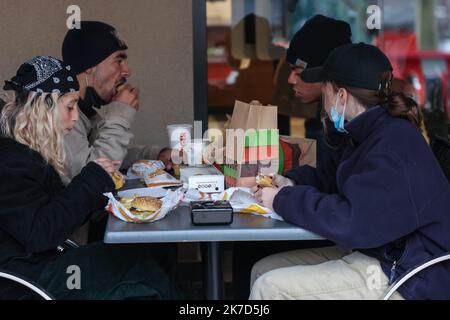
{"x":256,"y":147}
{"x":254,"y":115}
{"x":256,"y":120}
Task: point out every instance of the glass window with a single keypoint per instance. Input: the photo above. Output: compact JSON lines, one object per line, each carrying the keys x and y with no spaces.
{"x":247,"y":41}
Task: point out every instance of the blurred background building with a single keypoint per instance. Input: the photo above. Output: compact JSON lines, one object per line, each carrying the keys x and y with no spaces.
{"x":246,"y":54}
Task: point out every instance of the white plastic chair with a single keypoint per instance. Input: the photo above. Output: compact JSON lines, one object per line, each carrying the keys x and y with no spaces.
{"x":408,"y":275}
{"x":26,"y":283}
{"x":29,"y":284}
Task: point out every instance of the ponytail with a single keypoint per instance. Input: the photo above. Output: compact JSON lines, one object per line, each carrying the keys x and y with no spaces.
{"x":397,"y":97}
{"x":400,"y":105}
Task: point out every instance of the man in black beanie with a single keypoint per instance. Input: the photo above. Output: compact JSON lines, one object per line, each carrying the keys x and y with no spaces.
{"x":309,"y":48}
{"x":107,"y":103}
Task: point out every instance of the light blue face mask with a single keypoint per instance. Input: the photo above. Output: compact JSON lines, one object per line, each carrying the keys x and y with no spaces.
{"x":338,"y":119}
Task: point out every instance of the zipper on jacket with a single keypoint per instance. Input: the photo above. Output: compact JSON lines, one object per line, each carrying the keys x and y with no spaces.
{"x":392,"y":275}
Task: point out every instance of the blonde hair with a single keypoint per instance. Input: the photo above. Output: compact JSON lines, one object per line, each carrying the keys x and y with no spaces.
{"x":32,"y":119}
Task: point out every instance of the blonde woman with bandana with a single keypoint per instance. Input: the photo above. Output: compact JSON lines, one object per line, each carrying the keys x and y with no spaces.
{"x":38,"y":212}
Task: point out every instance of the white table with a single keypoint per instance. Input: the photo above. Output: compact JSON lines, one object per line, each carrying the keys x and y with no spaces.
{"x":177,"y":227}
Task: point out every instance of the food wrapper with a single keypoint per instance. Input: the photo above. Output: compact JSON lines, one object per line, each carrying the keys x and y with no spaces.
{"x":241,"y":199}
{"x":169,"y":203}
{"x":142,"y":168}
{"x":160,"y":179}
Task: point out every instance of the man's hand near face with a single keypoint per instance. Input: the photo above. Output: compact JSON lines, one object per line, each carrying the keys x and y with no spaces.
{"x":129,"y":96}
{"x":166,"y":156}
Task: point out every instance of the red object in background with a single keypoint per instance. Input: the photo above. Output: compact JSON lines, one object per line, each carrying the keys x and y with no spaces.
{"x":416,"y":66}
{"x":218,"y":73}
{"x":397,"y":46}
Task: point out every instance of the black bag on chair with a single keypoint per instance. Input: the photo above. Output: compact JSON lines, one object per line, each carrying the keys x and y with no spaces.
{"x":441,"y":149}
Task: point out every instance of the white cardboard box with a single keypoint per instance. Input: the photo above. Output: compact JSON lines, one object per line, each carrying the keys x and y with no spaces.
{"x":206,"y":179}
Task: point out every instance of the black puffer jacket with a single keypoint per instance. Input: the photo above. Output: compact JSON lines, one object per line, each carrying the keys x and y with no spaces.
{"x":37,"y":213}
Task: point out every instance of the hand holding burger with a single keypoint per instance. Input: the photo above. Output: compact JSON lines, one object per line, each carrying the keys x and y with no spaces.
{"x":127,"y":94}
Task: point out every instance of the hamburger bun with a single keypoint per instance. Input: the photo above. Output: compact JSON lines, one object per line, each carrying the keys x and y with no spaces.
{"x":121,"y":86}
{"x":264,"y":181}
{"x":146,"y":204}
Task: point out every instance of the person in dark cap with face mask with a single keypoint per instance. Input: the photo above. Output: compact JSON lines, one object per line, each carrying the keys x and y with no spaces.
{"x":309,"y":48}
{"x":38,"y":212}
{"x":382,"y":197}
{"x":107,"y":103}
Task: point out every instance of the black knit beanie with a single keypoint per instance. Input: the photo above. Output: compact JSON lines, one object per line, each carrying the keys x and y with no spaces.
{"x":86,"y":47}
{"x":318,"y":37}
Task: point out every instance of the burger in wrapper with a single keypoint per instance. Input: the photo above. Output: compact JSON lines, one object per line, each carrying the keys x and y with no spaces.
{"x":141,"y":207}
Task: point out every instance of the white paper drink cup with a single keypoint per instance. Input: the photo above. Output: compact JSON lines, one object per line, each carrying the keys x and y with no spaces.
{"x":180,"y":136}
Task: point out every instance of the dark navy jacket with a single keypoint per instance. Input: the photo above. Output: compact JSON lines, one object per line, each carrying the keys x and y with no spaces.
{"x":383,"y":193}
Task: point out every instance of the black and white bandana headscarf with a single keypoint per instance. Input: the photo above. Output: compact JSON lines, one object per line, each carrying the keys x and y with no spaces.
{"x":44,"y":74}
